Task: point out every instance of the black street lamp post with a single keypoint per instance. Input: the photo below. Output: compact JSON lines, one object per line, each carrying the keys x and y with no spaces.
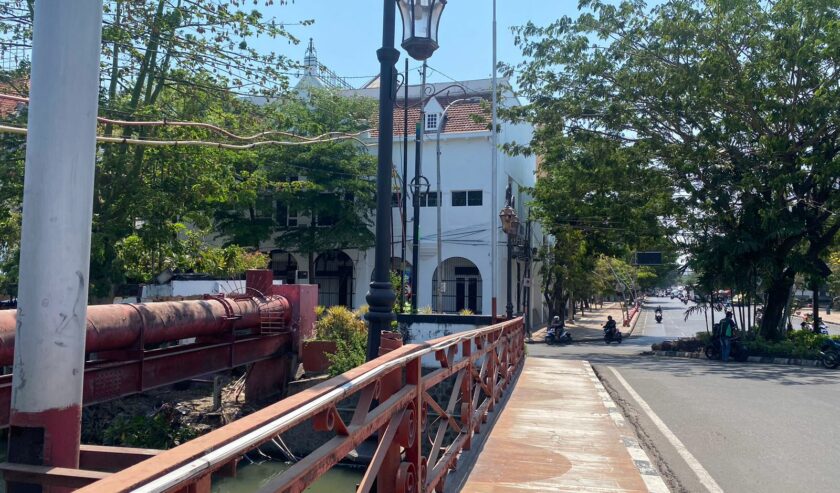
{"x":420,"y":28}
{"x":510,"y":225}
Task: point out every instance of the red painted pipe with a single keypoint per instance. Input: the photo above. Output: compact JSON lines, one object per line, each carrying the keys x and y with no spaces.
{"x":114,"y":327}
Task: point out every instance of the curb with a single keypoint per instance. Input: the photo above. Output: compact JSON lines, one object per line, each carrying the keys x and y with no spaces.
{"x":635,"y":320}
{"x":752,"y":359}
{"x":650,"y":474}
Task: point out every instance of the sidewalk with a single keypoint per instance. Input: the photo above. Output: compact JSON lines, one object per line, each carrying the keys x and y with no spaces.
{"x":589,"y":326}
{"x":561,"y":432}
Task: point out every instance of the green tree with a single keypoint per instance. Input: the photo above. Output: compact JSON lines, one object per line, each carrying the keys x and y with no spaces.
{"x":12,"y":157}
{"x":175,"y":61}
{"x":737,"y":101}
{"x":327,"y":187}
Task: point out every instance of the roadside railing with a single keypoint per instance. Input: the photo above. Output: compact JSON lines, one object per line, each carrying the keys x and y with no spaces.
{"x":394,"y":400}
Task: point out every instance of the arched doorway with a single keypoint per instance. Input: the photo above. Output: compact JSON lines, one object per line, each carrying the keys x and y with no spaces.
{"x":334,"y":276}
{"x":283,"y":266}
{"x":462,"y":286}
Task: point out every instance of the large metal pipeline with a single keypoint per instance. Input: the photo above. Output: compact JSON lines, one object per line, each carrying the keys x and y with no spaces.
{"x":114,"y":327}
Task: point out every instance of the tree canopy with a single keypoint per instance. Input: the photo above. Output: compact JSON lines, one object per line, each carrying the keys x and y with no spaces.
{"x":192,"y":61}
{"x":307,"y":199}
{"x":735,"y":103}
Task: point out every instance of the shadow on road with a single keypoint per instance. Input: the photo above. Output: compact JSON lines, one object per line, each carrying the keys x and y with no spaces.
{"x":691,"y":368}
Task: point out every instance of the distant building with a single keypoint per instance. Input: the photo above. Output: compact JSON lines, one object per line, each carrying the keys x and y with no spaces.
{"x":318,"y":75}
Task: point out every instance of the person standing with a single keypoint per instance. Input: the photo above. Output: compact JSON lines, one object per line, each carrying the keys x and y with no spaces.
{"x":727,"y":330}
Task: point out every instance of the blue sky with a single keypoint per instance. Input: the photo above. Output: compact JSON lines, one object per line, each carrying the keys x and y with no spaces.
{"x":348,"y":33}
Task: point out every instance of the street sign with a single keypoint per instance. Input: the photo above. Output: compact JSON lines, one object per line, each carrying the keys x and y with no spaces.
{"x":648,"y":258}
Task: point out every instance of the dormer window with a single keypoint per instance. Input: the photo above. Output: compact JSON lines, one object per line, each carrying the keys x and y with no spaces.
{"x":432,"y":122}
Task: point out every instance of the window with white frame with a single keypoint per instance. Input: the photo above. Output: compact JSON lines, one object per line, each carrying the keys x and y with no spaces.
{"x":432,"y":120}
{"x":467,"y":198}
{"x":287,"y":217}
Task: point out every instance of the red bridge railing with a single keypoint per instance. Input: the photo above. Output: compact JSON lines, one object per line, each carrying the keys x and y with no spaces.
{"x":396,"y":399}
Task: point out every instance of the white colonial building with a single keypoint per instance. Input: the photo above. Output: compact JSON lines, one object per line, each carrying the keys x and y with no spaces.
{"x":469,"y":220}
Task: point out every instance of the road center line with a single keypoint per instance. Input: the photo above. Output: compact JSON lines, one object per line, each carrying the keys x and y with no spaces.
{"x":702,"y":474}
{"x":644,"y":324}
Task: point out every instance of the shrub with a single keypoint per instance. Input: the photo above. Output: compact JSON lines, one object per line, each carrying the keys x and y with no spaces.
{"x":426,"y":310}
{"x":161,"y":431}
{"x":704,"y":337}
{"x":466,"y":311}
{"x":349,"y":332}
{"x":362,"y":311}
{"x":800,"y":344}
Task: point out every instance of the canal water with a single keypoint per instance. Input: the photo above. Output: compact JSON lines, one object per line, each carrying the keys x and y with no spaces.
{"x":251,"y":477}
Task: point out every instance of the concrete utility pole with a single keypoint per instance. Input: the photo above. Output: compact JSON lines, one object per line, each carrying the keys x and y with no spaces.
{"x":494,"y":209}
{"x":418,"y":173}
{"x":55,"y":245}
{"x":404,"y":190}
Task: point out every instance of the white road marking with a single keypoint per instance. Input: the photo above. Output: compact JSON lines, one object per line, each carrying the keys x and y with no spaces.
{"x":644,"y":324}
{"x":650,"y":475}
{"x":702,"y":474}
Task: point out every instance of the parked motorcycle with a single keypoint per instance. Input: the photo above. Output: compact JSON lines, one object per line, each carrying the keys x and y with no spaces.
{"x":738,"y":351}
{"x":830,"y":354}
{"x":557,"y":335}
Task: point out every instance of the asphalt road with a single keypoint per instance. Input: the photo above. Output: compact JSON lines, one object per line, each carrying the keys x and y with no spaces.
{"x":720,"y":427}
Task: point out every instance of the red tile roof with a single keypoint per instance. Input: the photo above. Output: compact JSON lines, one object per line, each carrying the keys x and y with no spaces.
{"x":463,"y":117}
{"x":8,"y":106}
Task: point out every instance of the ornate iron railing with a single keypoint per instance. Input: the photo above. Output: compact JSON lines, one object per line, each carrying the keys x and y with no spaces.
{"x":394,"y":400}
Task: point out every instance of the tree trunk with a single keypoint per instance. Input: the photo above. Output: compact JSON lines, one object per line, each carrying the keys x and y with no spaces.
{"x":572,"y":307}
{"x":712,"y":306}
{"x":778,"y":292}
{"x":816,"y":287}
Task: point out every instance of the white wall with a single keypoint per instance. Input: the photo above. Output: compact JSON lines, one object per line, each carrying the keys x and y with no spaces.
{"x":467,"y":231}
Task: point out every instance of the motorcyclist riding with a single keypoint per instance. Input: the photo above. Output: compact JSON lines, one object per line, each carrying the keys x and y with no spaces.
{"x":611,"y":331}
{"x":557,"y":332}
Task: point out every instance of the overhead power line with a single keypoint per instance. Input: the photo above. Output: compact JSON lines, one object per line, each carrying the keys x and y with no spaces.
{"x":326,"y":137}
{"x":199,"y":143}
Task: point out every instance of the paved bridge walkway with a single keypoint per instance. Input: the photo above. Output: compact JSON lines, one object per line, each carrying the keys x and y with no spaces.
{"x":560,"y":431}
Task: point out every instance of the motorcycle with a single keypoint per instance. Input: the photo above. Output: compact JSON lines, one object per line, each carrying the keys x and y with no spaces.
{"x":557,"y":335}
{"x":612,"y":334}
{"x":658,"y":317}
{"x":737,"y":350}
{"x":809,"y":327}
{"x":830,"y":354}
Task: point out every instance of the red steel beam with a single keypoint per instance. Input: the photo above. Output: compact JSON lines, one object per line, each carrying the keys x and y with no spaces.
{"x":112,"y":380}
{"x":122,"y":326}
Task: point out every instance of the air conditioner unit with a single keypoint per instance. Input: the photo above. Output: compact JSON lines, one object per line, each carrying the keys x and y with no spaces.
{"x":301,"y":277}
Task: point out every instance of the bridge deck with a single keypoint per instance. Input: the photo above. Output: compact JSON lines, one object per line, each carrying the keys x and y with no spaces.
{"x":556,"y":434}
